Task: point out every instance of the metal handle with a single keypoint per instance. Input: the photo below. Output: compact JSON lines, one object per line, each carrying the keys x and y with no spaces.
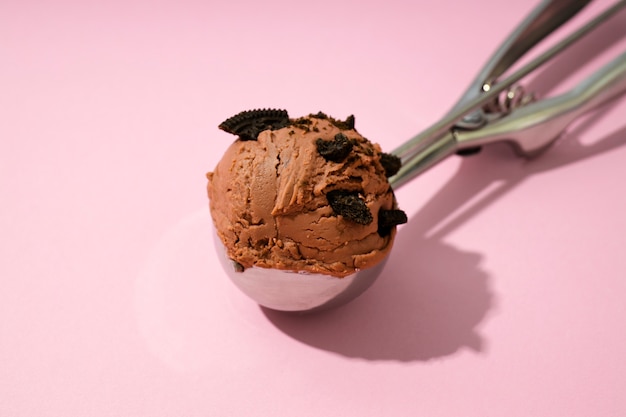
{"x":439,"y":140}
{"x":534,"y":127}
{"x":542,"y":21}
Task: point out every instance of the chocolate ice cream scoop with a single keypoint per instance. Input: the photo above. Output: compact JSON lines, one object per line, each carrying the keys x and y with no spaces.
{"x":307,"y":195}
{"x":303,"y":211}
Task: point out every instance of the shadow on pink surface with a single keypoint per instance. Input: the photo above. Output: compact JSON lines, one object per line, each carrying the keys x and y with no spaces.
{"x":433,"y":296}
{"x":414,"y":312}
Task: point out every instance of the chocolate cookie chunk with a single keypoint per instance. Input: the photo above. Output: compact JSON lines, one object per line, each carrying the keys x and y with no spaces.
{"x":335,"y":150}
{"x":350,"y":205}
{"x":248,"y":124}
{"x":388,"y":219}
{"x":391,"y":163}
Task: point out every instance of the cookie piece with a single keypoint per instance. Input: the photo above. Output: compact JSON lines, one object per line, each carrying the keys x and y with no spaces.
{"x":248,"y":124}
{"x":335,"y":150}
{"x":391,"y":163}
{"x":350,"y":205}
{"x":387,"y":219}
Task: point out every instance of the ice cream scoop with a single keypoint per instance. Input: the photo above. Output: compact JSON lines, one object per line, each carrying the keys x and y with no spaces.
{"x":307,"y":196}
{"x":316,"y":267}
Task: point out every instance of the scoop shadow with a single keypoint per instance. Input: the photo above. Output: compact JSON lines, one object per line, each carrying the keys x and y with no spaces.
{"x":415,"y":311}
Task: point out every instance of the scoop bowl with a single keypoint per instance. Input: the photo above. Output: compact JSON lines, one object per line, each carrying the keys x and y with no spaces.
{"x":300,"y":292}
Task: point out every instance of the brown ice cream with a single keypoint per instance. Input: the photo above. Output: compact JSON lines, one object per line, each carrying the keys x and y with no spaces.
{"x":309,"y":194}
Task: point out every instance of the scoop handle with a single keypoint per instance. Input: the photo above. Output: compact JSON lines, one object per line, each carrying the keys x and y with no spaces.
{"x":544,"y":19}
{"x":534,"y":127}
{"x":439,"y":140}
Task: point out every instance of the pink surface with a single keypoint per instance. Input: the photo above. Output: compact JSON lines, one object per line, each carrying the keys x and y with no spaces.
{"x":503,"y":295}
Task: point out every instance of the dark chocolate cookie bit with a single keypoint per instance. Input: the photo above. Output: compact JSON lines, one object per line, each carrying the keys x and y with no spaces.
{"x":335,"y":150}
{"x":387,"y":219}
{"x":350,"y":205}
{"x":319,"y":115}
{"x":391,"y":163}
{"x":302,"y":123}
{"x":248,"y":124}
{"x":349,"y":122}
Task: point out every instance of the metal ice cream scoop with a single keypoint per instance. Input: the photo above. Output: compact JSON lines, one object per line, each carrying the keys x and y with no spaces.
{"x":491,"y":110}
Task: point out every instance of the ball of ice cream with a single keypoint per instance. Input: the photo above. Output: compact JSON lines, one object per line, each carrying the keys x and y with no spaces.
{"x":308,"y":194}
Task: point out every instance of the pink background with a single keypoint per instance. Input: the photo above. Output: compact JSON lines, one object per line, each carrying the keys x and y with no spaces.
{"x":504,"y":295}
